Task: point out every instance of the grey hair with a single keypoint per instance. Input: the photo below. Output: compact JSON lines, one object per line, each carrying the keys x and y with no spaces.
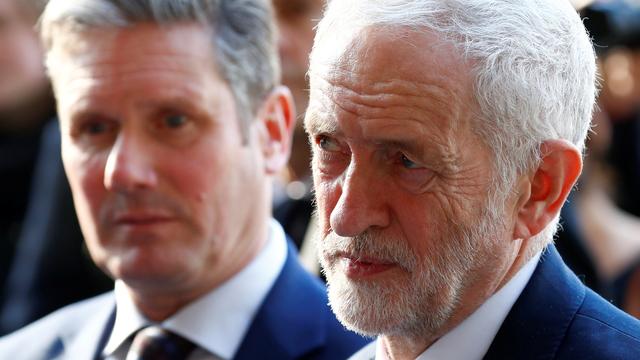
{"x":532,"y":60}
{"x":244,"y":36}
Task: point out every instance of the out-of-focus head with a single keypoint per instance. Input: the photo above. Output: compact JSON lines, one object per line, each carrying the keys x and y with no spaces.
{"x":22,"y":74}
{"x":296,"y":23}
{"x":296,"y":29}
{"x":439,"y":129}
{"x":172,"y":126}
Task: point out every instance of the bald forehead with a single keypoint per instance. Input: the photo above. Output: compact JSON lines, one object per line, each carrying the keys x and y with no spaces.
{"x":391,"y":73}
{"x":381,"y":55}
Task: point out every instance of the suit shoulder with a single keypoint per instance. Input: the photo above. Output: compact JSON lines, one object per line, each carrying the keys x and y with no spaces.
{"x":296,"y":322}
{"x":47,"y":330}
{"x":599,"y":330}
{"x":341,"y":342}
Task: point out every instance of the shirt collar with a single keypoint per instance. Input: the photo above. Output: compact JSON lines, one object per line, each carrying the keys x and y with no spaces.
{"x":472,"y":338}
{"x":217,"y":321}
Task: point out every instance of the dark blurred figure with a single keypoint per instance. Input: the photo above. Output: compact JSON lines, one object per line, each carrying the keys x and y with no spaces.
{"x":25,"y":104}
{"x":293,"y":204}
{"x":38,"y":227}
{"x":615,"y":26}
{"x":601,"y":235}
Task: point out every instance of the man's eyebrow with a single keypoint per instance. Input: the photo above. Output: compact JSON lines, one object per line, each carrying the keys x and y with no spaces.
{"x":313,"y":124}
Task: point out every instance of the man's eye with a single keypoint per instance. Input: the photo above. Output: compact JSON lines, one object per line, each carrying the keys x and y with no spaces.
{"x":328,"y":144}
{"x":407,"y":163}
{"x":175,"y":120}
{"x":96,"y":127}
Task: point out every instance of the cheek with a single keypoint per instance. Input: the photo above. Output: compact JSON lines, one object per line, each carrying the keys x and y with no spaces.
{"x":86,"y":179}
{"x":327,"y":196}
{"x":86,"y":182}
{"x":205,"y":191}
{"x":422,"y":221}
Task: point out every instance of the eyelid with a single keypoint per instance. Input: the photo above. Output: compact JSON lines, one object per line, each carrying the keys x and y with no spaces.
{"x":327,"y":140}
{"x":415,"y":164}
{"x":83,"y":124}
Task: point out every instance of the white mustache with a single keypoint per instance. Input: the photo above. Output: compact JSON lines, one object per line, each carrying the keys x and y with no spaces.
{"x":368,"y":245}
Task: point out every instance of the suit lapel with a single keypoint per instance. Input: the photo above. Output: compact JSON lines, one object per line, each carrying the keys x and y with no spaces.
{"x":542,"y":313}
{"x":88,"y":341}
{"x":284,"y":324}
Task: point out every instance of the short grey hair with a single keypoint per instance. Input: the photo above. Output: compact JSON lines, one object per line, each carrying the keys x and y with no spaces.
{"x":244,"y":36}
{"x":532,"y":60}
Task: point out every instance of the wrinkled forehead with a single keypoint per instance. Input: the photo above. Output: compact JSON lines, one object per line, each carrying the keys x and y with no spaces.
{"x":385,"y":52}
{"x":390,"y":63}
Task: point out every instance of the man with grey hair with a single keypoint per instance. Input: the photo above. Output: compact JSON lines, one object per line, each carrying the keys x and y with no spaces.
{"x":446,"y":136}
{"x":173,"y":125}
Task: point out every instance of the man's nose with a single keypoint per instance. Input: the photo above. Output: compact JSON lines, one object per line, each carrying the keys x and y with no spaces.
{"x":361,"y":204}
{"x":130,"y":165}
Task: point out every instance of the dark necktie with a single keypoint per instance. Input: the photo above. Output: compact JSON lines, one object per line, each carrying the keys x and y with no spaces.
{"x":155,"y":343}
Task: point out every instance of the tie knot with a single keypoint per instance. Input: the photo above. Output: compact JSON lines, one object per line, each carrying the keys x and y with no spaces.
{"x":156,"y":343}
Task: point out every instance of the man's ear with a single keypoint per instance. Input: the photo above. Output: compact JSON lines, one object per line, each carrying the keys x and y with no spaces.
{"x":542,"y":194}
{"x":277,"y":119}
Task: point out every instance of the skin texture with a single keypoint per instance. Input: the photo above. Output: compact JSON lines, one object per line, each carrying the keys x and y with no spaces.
{"x":402,"y":184}
{"x":152,"y":148}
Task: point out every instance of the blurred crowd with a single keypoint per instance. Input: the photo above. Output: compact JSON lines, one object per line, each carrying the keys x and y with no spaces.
{"x":600,"y":238}
{"x":43,"y":262}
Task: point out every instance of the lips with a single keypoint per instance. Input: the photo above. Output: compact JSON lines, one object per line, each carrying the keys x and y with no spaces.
{"x":363,"y":267}
{"x":141,"y":219}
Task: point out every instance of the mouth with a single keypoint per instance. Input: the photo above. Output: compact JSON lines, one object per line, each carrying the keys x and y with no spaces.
{"x":360,"y":267}
{"x":141,"y":219}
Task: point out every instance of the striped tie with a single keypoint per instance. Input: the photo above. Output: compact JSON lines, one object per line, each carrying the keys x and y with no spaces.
{"x":155,"y":343}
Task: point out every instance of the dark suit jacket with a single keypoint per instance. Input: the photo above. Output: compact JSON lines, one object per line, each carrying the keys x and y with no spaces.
{"x":557,"y":317}
{"x":294,"y":322}
{"x":51,"y":267}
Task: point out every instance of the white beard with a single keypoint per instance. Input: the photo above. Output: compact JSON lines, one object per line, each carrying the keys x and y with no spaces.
{"x":419,"y":301}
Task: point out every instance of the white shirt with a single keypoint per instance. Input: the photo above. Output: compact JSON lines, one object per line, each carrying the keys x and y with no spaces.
{"x":472,"y":338}
{"x":217,"y":321}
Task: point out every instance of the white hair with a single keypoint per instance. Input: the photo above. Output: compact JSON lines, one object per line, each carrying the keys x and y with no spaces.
{"x":532,"y":60}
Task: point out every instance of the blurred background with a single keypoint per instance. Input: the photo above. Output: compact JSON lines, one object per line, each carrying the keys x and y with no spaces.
{"x":600,"y":239}
{"x":43,"y":262}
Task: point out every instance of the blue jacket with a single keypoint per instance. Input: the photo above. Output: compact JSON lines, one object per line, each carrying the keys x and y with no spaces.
{"x":557,"y":317}
{"x":294,"y":322}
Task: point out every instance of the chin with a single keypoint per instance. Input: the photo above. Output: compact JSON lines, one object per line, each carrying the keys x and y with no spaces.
{"x":147,"y":268}
{"x":390,"y":307}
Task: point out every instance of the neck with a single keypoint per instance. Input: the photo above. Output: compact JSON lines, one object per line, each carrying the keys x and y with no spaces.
{"x":158,"y":302}
{"x":477,"y":291}
{"x":401,"y":348}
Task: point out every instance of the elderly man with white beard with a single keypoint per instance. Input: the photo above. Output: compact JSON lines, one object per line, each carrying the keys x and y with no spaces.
{"x":446,"y":137}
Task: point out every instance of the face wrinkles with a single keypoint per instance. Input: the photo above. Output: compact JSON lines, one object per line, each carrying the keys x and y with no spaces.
{"x":400,"y":179}
{"x":395,"y":114}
